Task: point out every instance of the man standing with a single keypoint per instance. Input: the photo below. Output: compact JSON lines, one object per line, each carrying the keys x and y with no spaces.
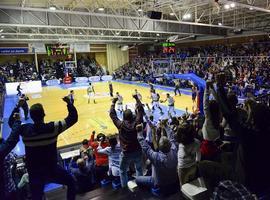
{"x":111,"y":88}
{"x":177,"y":88}
{"x":138,"y":95}
{"x":155,"y":101}
{"x":71,"y":96}
{"x":131,"y":150}
{"x":40,"y":140}
{"x":119,"y":102}
{"x":25,"y":107}
{"x":19,"y":90}
{"x":170,"y":101}
{"x":91,"y":93}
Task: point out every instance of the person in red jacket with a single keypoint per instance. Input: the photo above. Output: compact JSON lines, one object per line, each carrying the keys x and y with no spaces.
{"x":102,"y":164}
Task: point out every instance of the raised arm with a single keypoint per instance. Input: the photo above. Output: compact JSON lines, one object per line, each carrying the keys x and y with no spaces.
{"x":11,"y":141}
{"x":92,"y":142}
{"x":15,"y":114}
{"x":206,"y":100}
{"x":117,"y":122}
{"x":150,"y":154}
{"x":106,"y":150}
{"x":139,"y":116}
{"x":70,"y":120}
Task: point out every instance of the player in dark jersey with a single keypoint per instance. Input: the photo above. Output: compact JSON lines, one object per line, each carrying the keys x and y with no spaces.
{"x":24,"y":105}
{"x":194,"y":94}
{"x":111,"y":88}
{"x":19,"y":90}
{"x":177,"y":88}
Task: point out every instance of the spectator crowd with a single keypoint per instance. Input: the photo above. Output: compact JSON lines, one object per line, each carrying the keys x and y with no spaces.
{"x":226,"y":148}
{"x":246,"y":66}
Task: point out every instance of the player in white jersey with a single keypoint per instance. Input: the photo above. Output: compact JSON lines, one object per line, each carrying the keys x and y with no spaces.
{"x":119,"y":102}
{"x":170,"y":101}
{"x":91,"y":93}
{"x":155,"y":101}
{"x":138,"y":95}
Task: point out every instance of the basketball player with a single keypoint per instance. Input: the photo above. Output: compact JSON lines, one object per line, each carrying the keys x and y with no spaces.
{"x":194,"y":94}
{"x":119,"y":102}
{"x":71,"y":96}
{"x":19,"y":90}
{"x":177,"y":88}
{"x":111,"y":88}
{"x":91,"y":93}
{"x":151,"y":87}
{"x":24,"y":105}
{"x":170,"y":101}
{"x":155,"y":101}
{"x":138,"y":95}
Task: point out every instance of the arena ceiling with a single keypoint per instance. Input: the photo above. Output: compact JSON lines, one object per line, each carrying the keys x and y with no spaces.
{"x":126,"y":21}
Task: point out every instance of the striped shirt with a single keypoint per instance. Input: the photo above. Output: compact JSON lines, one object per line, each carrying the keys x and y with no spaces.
{"x":40,"y":140}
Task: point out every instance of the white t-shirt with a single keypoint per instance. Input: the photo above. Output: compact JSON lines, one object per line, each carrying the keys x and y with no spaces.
{"x":120,"y":99}
{"x":188,"y":154}
{"x":170,"y":101}
{"x":154,"y":96}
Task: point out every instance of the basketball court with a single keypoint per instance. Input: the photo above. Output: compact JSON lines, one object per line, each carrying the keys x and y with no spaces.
{"x":91,"y":116}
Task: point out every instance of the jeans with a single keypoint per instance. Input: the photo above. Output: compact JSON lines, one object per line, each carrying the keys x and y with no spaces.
{"x":125,"y":160}
{"x":146,"y":181}
{"x":57,"y":174}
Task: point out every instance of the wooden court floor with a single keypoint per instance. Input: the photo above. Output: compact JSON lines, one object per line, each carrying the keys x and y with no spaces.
{"x":93,"y":116}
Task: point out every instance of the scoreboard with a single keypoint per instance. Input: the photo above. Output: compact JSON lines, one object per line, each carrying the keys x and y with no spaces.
{"x":169,"y":47}
{"x":55,"y":50}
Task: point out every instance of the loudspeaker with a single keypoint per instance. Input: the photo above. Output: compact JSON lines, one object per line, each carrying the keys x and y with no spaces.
{"x":154,"y":15}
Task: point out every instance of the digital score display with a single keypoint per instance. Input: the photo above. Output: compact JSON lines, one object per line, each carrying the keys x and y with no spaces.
{"x":169,"y":48}
{"x":57,"y":50}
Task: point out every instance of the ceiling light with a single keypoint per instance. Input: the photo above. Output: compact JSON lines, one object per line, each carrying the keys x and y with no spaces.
{"x":31,"y":35}
{"x":101,"y":9}
{"x":1,"y":30}
{"x":101,"y":34}
{"x":117,"y":33}
{"x":65,"y":29}
{"x":158,"y":34}
{"x":220,"y":24}
{"x":250,"y":8}
{"x":172,"y":14}
{"x":80,"y":33}
{"x":227,"y":6}
{"x":232,"y":5}
{"x":52,"y":8}
{"x":2,"y":36}
{"x":140,"y":10}
{"x":138,"y":38}
{"x":187,"y":16}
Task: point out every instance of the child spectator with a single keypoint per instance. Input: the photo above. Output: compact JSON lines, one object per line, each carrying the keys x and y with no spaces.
{"x":101,"y":159}
{"x":113,"y":151}
{"x":188,"y":153}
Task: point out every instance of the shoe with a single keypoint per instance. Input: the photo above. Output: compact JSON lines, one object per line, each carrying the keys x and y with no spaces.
{"x":132,"y":186}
